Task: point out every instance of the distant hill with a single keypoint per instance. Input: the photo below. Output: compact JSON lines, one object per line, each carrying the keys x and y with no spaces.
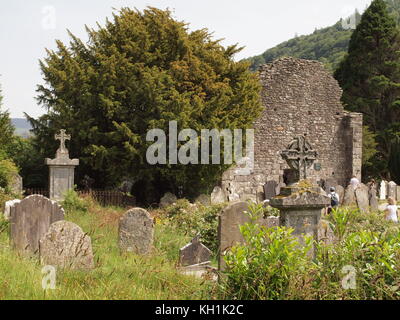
{"x":328,"y":45}
{"x":22,"y":126}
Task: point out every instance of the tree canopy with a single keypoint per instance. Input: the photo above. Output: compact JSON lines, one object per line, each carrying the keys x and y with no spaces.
{"x":370,"y":78}
{"x":138,"y":72}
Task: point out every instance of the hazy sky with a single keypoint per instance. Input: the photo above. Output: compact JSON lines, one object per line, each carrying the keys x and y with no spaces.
{"x":28,"y":27}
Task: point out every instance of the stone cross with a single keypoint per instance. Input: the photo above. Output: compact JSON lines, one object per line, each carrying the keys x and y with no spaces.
{"x":62,"y":137}
{"x":300,"y":156}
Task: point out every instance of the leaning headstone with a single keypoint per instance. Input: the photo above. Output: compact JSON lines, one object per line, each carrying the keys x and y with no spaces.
{"x":230,"y":220}
{"x":270,"y":189}
{"x":194,"y":253}
{"x":362,"y":198}
{"x":136,"y":231}
{"x":7,"y":208}
{"x":16,"y":185}
{"x":218,"y":196}
{"x":30,"y":220}
{"x":203,"y":199}
{"x":65,"y":245}
{"x":392,"y":189}
{"x":373,"y":200}
{"x":350,"y":196}
{"x":383,"y":190}
{"x":340,"y":191}
{"x":168,"y":200}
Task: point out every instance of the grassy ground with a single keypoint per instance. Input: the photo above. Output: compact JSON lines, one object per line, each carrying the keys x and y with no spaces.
{"x":116,"y":276}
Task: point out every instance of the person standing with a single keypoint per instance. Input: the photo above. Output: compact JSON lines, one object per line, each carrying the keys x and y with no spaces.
{"x":335,"y":200}
{"x":391,"y":211}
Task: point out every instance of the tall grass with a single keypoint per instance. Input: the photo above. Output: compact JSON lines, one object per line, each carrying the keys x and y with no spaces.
{"x":116,"y":276}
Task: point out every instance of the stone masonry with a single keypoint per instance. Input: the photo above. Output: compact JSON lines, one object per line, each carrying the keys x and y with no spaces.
{"x":300,"y":97}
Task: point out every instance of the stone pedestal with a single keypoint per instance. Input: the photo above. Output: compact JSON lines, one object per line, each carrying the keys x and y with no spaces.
{"x":300,"y":206}
{"x":61,"y":176}
{"x":61,"y":170}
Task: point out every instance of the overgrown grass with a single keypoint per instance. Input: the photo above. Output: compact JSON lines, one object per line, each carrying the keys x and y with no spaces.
{"x":116,"y":276}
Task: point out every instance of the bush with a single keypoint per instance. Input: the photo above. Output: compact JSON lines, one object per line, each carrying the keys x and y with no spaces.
{"x":267,"y":264}
{"x":72,"y":202}
{"x":7,"y":172}
{"x":195,"y":219}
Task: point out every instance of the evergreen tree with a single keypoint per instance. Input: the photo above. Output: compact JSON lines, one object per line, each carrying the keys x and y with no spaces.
{"x":139,"y":72}
{"x":370,"y":78}
{"x":6,"y":128}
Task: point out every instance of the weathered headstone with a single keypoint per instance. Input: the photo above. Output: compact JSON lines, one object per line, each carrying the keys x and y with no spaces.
{"x":61,"y":169}
{"x":65,"y":245}
{"x":373,"y":199}
{"x":7,"y":208}
{"x":398,"y":193}
{"x":362,"y":198}
{"x":230,"y":219}
{"x":203,"y":199}
{"x":392,"y":189}
{"x":350,"y":196}
{"x":17,"y":184}
{"x":194,"y":253}
{"x":136,"y":231}
{"x":30,"y":220}
{"x":168,"y":200}
{"x":270,"y":189}
{"x":218,"y":196}
{"x":340,"y":191}
{"x":383,"y":190}
{"x":325,"y":232}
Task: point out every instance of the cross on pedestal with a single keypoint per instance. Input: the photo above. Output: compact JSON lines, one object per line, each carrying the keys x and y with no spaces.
{"x":62,"y":137}
{"x":300,"y":156}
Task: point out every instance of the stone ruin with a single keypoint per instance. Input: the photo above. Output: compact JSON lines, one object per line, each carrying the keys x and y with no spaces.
{"x":300,"y":97}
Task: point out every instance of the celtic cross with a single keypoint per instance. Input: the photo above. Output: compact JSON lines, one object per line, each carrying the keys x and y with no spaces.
{"x":62,"y":137}
{"x":300,"y":156}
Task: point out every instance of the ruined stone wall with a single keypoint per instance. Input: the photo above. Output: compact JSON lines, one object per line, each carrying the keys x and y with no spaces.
{"x":300,"y":97}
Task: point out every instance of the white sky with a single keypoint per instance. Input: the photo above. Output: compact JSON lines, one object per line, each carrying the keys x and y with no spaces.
{"x":26,"y":30}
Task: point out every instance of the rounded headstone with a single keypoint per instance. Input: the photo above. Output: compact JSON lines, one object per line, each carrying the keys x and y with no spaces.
{"x":136,"y":231}
{"x":65,"y":245}
{"x":203,"y":199}
{"x":168,"y":200}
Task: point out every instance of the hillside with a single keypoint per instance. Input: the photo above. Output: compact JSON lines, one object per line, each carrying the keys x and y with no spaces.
{"x":328,"y":45}
{"x":22,"y":126}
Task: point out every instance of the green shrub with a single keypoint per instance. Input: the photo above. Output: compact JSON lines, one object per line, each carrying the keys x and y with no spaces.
{"x":195,"y":219}
{"x":267,"y":264}
{"x":72,"y":202}
{"x":7,"y":172}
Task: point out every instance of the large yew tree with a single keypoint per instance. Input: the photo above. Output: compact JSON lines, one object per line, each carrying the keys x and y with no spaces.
{"x":370,"y":78}
{"x":137,"y":72}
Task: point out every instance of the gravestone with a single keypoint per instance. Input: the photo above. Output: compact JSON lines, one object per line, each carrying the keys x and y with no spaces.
{"x":30,"y":220}
{"x":325,"y":233}
{"x":340,"y":191}
{"x":194,"y":253}
{"x":136,"y":231}
{"x":383,"y":190}
{"x":373,"y":199}
{"x":362,"y":198}
{"x":270,"y":189}
{"x":61,"y":169}
{"x":17,"y":184}
{"x":218,"y":196}
{"x":168,"y":200}
{"x":65,"y":245}
{"x":7,"y":208}
{"x":350,"y":196}
{"x":203,"y":199}
{"x":392,"y":190}
{"x":398,"y":193}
